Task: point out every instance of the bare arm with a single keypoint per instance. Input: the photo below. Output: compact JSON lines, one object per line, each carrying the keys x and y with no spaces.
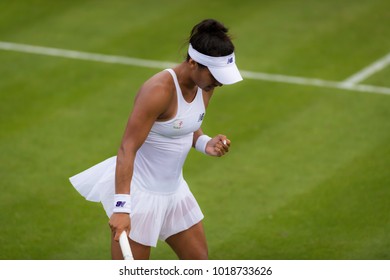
{"x":151,"y":101}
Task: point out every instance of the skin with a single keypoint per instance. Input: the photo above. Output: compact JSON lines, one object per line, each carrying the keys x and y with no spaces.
{"x":157,"y":101}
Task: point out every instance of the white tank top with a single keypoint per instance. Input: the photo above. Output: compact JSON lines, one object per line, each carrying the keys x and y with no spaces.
{"x":159,"y":162}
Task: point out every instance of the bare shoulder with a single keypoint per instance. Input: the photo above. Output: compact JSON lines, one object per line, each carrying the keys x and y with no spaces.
{"x":156,"y":93}
{"x":159,"y":86}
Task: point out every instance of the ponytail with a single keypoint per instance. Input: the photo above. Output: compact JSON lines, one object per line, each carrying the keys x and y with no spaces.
{"x":211,"y":37}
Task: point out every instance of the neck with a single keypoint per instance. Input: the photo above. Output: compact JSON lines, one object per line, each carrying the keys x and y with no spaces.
{"x":183,"y":75}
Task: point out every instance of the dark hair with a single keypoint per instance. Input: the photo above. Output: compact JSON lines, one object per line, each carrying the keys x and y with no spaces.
{"x":210,"y":37}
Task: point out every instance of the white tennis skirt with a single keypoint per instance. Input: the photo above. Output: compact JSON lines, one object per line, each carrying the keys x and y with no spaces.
{"x":153,"y":215}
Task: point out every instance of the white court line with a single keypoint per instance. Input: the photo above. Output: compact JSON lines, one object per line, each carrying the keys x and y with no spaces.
{"x":313,"y":82}
{"x":8,"y":46}
{"x":368,"y":71}
{"x":84,"y":55}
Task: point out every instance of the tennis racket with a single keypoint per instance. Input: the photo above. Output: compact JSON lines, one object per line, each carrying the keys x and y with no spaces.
{"x":125,"y":246}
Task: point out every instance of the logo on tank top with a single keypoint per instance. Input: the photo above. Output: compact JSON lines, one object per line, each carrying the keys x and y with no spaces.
{"x":201,"y":116}
{"x":178,"y":124}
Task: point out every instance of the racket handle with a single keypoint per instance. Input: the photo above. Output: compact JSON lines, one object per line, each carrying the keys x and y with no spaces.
{"x":125,"y":246}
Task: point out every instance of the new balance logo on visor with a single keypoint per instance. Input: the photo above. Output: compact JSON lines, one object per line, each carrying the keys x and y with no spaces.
{"x":230,"y":60}
{"x":120,"y":204}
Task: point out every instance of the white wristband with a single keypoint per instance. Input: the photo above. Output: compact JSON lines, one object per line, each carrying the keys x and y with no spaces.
{"x":201,"y":143}
{"x":122,"y":203}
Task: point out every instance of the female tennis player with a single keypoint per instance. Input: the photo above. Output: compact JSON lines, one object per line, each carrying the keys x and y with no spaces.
{"x":142,"y":189}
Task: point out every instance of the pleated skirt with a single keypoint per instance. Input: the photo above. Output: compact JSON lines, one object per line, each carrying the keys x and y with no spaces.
{"x":153,"y":215}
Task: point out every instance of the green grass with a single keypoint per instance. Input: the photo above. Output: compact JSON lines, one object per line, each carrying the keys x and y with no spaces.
{"x":308,"y":173}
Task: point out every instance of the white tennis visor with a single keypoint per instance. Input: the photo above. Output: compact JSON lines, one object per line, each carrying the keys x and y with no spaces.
{"x":223,"y":68}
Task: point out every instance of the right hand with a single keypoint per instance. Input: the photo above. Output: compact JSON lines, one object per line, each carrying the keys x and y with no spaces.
{"x":119,"y":222}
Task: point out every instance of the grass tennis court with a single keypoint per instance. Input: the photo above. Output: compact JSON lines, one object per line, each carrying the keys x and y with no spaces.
{"x":308,"y":175}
